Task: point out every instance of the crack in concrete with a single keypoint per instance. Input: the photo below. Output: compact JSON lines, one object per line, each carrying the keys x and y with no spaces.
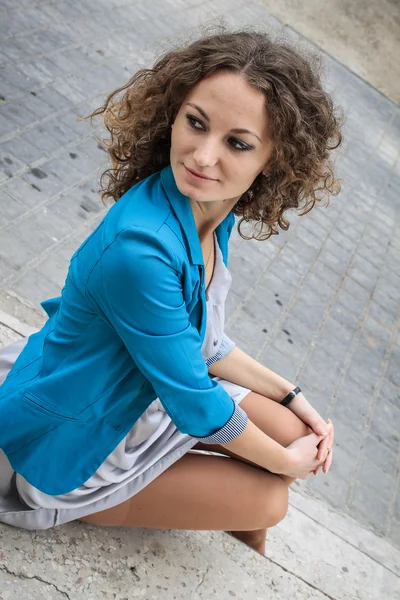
{"x":204,"y":577}
{"x":311,"y":585}
{"x":37,"y":577}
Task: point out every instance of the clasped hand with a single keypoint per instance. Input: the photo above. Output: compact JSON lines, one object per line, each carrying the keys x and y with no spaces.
{"x":314,"y":451}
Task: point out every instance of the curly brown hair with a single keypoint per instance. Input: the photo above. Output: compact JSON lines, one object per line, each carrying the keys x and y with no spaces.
{"x":305,"y":125}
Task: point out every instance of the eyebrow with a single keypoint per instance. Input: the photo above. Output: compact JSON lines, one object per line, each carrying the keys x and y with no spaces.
{"x":204,"y":115}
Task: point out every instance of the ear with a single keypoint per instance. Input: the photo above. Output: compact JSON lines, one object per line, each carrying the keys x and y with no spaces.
{"x":267,"y":168}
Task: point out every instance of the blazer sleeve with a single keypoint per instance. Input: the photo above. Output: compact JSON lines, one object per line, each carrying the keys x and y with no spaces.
{"x":226,"y":346}
{"x":142,"y":297}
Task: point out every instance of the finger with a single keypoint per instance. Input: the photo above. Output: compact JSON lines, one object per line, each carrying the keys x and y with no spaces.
{"x":323,"y":448}
{"x":331,"y":438}
{"x":332,"y":435}
{"x":327,"y":443}
{"x":317,"y":465}
{"x":328,"y":462}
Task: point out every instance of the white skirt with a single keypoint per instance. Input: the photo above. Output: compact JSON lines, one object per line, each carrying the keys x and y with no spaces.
{"x":22,"y":505}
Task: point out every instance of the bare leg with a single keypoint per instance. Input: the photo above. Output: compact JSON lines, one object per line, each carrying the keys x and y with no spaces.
{"x":255,"y":539}
{"x":201,"y":491}
{"x":279,"y":423}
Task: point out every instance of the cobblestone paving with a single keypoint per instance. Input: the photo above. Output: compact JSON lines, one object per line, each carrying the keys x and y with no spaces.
{"x":319,"y":303}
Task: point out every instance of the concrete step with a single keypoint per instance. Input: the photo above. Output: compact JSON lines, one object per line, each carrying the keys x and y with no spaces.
{"x":315,"y":552}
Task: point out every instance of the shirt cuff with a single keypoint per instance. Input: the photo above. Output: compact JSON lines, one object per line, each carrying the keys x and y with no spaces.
{"x":231,"y":430}
{"x":227,"y":345}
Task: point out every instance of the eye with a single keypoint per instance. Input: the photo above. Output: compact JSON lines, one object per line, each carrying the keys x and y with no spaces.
{"x":193,"y":122}
{"x":241,"y":146}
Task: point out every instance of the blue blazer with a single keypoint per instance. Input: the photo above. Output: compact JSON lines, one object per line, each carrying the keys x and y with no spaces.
{"x":127,"y":328}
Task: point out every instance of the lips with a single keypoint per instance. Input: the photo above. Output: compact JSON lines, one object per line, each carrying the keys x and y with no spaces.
{"x":199,"y":174}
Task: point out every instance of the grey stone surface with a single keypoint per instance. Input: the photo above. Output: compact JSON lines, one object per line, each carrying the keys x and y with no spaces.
{"x":315,"y":553}
{"x":332,"y":280}
{"x":15,"y":587}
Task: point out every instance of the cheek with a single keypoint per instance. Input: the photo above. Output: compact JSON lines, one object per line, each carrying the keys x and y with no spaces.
{"x":173,"y":139}
{"x":244,"y":174}
{"x":179,"y":133}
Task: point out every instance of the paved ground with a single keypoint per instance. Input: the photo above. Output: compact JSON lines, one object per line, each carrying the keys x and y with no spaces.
{"x":319,"y":303}
{"x":314,"y":553}
{"x":363,"y":34}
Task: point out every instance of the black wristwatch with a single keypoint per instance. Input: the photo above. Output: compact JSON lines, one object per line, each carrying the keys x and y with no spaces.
{"x":287,"y":399}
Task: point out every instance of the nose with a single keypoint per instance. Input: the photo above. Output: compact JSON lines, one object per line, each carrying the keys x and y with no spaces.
{"x":206,"y":153}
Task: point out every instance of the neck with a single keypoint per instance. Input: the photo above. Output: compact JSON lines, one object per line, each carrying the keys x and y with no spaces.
{"x":208,"y":215}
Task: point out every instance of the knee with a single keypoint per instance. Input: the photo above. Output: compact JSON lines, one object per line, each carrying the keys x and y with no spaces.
{"x":275,"y":503}
{"x":280,"y":501}
{"x":296,"y":429}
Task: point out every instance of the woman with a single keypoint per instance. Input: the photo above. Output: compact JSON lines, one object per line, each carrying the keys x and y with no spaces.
{"x":104,"y":409}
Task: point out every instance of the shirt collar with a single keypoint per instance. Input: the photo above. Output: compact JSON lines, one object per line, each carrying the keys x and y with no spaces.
{"x":180,"y":205}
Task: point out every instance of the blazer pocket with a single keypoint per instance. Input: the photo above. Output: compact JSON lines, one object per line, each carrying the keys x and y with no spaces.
{"x":47,"y":409}
{"x":26,"y":418}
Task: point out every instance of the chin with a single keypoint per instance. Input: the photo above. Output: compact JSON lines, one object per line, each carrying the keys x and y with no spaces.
{"x":183,"y":187}
{"x":193,"y":193}
{"x":188,"y":190}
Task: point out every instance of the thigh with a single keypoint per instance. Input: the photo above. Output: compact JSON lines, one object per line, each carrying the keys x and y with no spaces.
{"x":277,"y":421}
{"x":203,"y":492}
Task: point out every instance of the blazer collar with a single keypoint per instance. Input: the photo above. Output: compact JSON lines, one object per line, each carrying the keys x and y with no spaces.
{"x":181,"y":207}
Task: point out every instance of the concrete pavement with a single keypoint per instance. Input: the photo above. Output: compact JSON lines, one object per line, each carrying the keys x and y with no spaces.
{"x":319,"y":303}
{"x":364,"y":35}
{"x":315,"y":553}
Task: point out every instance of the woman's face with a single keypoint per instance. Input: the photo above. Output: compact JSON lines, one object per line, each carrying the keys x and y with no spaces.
{"x":222,"y":133}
